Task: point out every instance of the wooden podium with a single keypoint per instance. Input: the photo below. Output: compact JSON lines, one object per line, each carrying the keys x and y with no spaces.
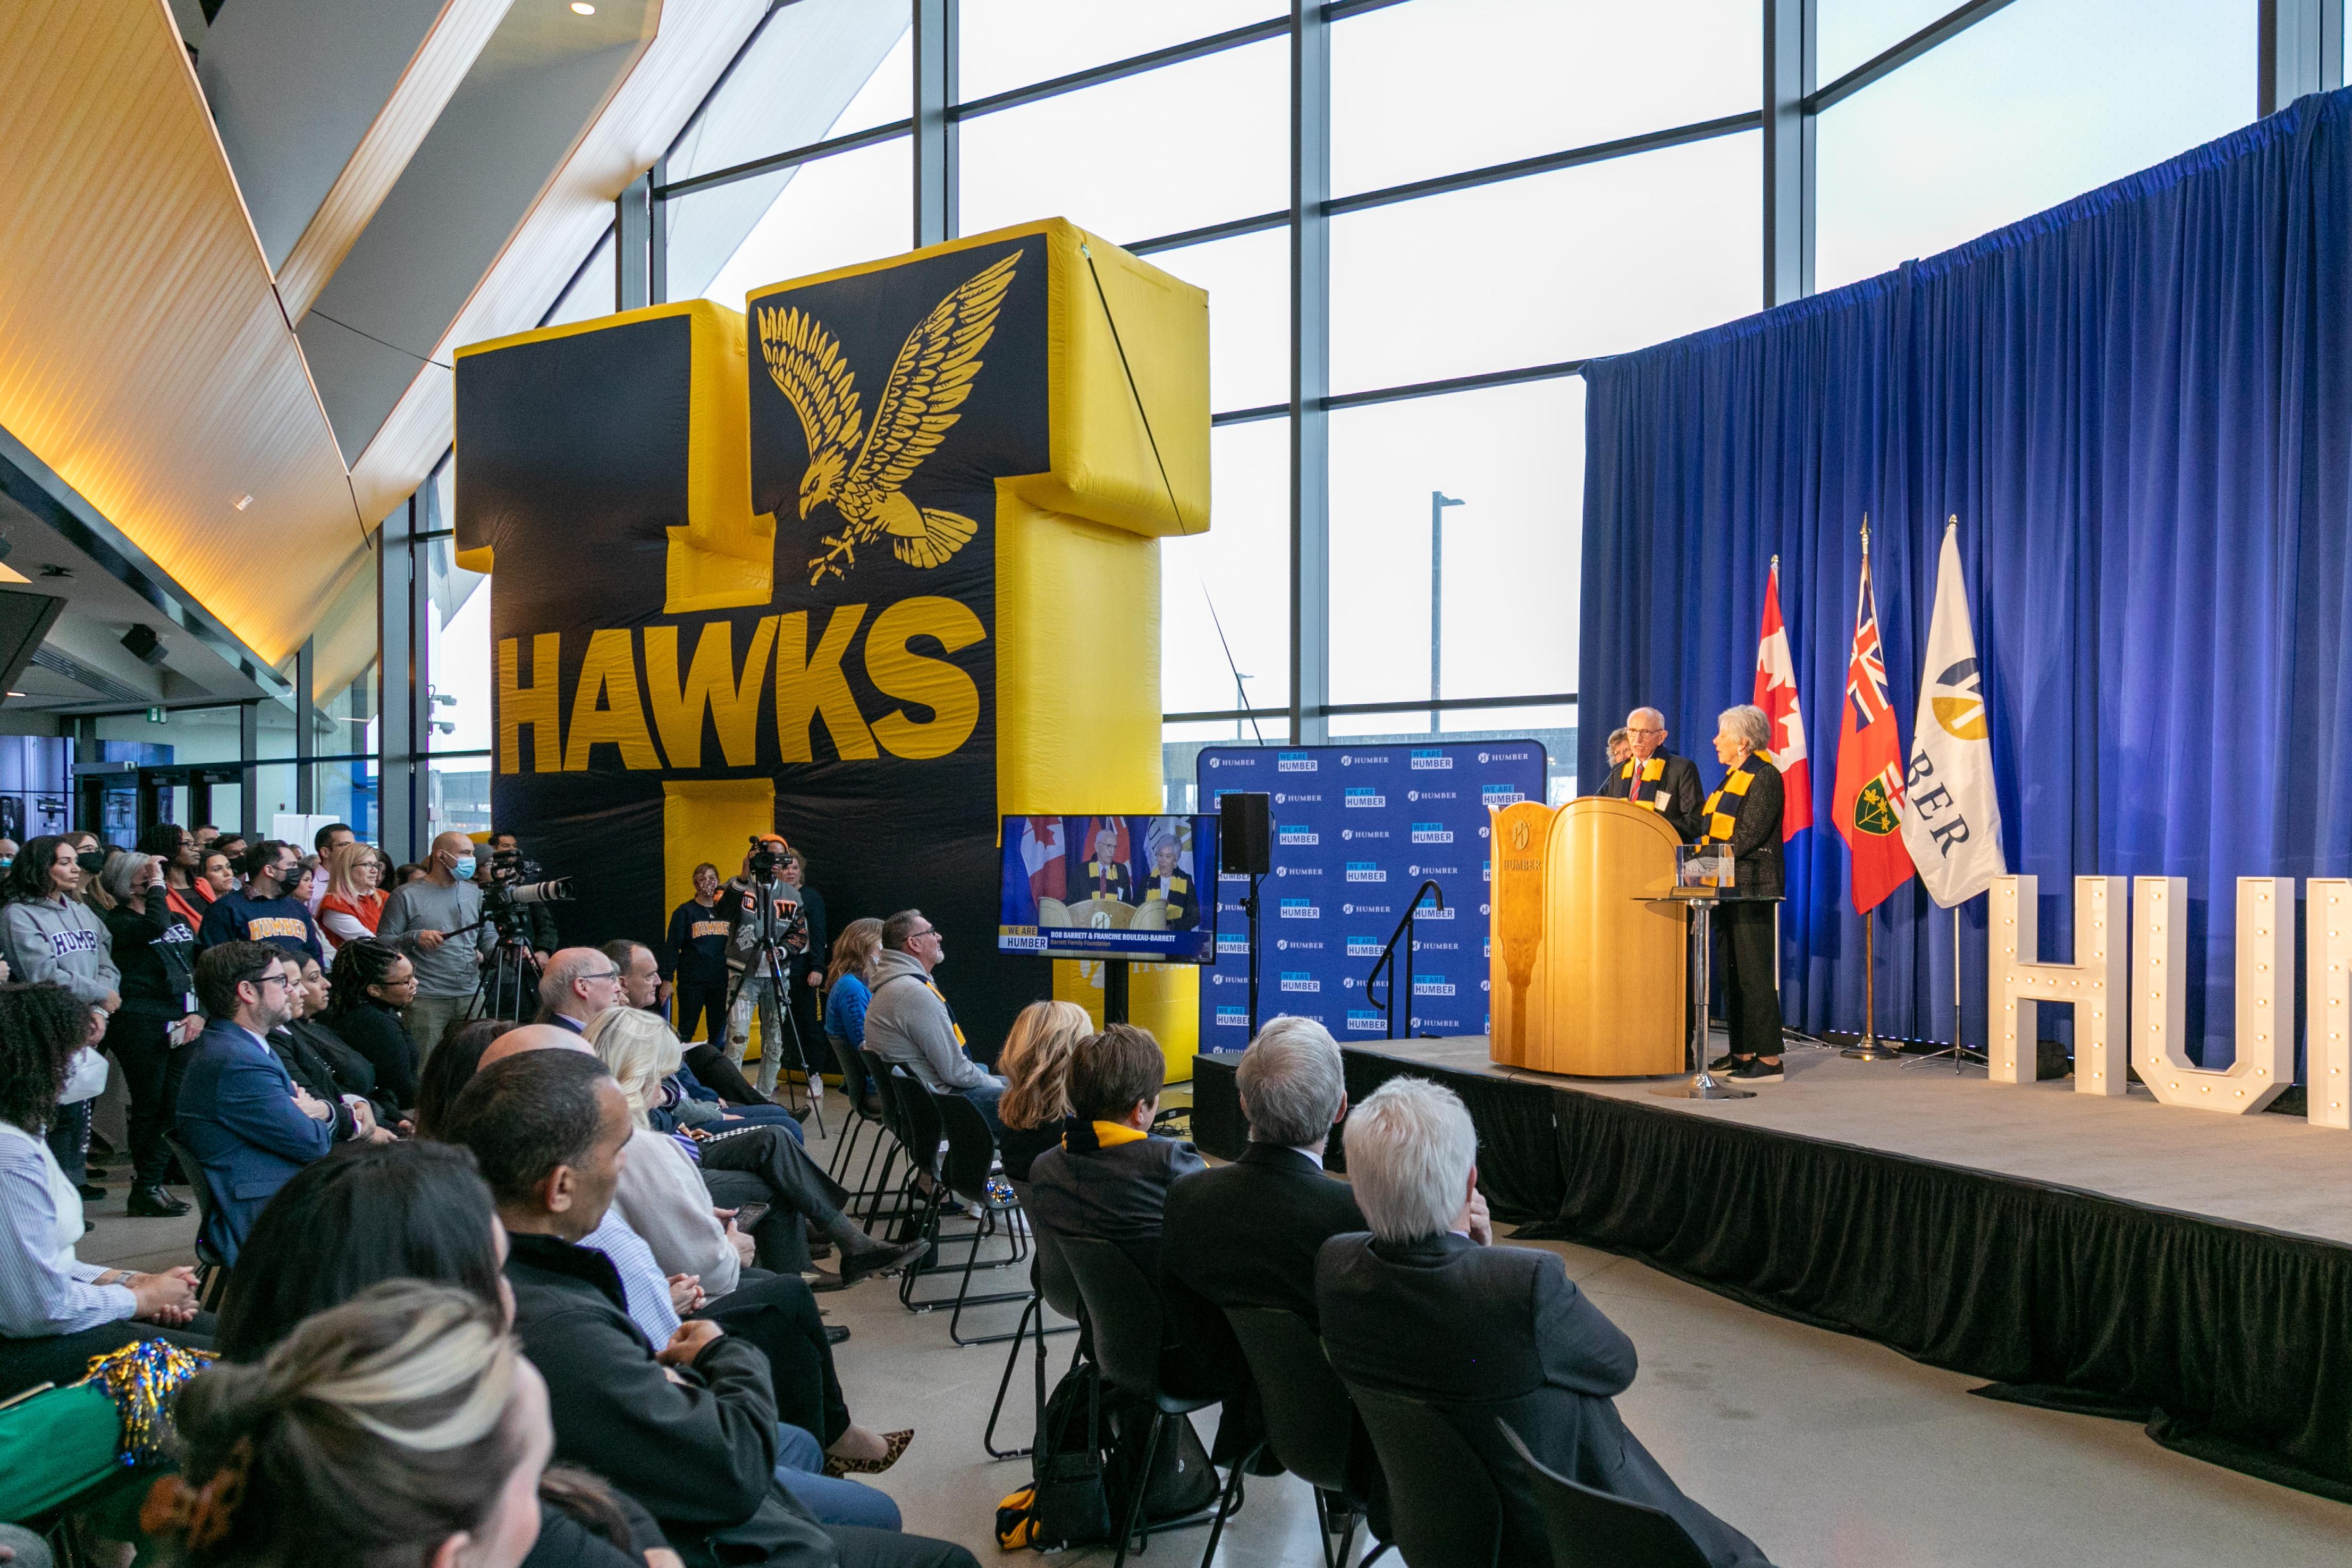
{"x":1585,"y":978}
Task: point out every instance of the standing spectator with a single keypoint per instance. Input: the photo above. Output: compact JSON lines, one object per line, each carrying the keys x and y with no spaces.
{"x":52,"y":936}
{"x":56,"y":1311}
{"x":233,"y":846}
{"x":206,"y":835}
{"x":372,"y":983}
{"x":8,"y":848}
{"x":184,"y":890}
{"x":352,"y":905}
{"x":694,"y":961}
{"x":910,"y":1024}
{"x":156,"y":949}
{"x":241,"y":1117}
{"x":323,"y":845}
{"x":436,"y":922}
{"x":215,"y":875}
{"x":266,"y":910}
{"x":759,"y":946}
{"x":808,"y":965}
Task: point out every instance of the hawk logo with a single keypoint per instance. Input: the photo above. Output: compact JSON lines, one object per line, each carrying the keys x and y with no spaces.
{"x":861,"y":469}
{"x":1520,"y":834}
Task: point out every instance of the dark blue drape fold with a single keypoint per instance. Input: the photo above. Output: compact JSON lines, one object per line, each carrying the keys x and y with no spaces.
{"x":2139,"y":406}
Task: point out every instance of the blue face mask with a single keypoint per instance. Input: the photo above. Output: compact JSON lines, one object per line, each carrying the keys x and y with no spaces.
{"x":463,"y":869}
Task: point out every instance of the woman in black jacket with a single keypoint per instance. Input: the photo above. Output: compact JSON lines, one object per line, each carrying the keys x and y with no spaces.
{"x":371,"y":982}
{"x":156,"y":949}
{"x":1744,"y":816}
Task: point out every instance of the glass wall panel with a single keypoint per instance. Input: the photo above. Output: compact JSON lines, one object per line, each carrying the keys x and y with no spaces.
{"x":855,"y":207}
{"x":1583,"y":261}
{"x":594,"y":293}
{"x":185,"y":735}
{"x":1004,"y":44}
{"x":460,"y":802}
{"x":1173,"y":150}
{"x":1248,"y":281}
{"x":1234,"y":579}
{"x":458,"y":639}
{"x":2039,"y":103}
{"x":1853,"y":31}
{"x":1440,"y":86}
{"x":1514,"y":457}
{"x":348,"y":792}
{"x":274,"y":796}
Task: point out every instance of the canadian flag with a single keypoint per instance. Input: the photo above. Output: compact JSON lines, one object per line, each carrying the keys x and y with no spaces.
{"x":1041,"y":853}
{"x":1776,"y":693}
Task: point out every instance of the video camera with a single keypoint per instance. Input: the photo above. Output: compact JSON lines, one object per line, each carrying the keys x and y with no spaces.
{"x":769,"y":857}
{"x":514,"y":882}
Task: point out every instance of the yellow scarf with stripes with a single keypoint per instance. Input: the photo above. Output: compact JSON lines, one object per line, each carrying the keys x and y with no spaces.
{"x":1649,"y":773}
{"x":1720,"y":824}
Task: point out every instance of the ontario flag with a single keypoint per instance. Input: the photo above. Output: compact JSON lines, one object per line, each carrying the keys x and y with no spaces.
{"x":1868,"y":798}
{"x":1776,"y":693}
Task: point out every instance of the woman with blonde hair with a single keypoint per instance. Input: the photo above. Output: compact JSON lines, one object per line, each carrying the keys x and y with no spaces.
{"x":355,"y":896}
{"x":1035,"y":1063}
{"x":846,"y":990}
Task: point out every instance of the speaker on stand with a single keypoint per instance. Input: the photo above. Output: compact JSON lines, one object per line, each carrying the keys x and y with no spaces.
{"x":1245,"y":849}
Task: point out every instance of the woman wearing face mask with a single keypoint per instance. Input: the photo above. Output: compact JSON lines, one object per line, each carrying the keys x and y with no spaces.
{"x":155,"y":948}
{"x":53,"y":937}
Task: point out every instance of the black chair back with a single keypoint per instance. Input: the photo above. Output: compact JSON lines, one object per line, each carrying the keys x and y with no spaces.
{"x":883,"y":1080}
{"x":972,"y":1147}
{"x":921,"y":1111}
{"x":856,"y":1085}
{"x":212,"y":1274}
{"x":1122,"y":1314}
{"x":1051,"y":1273}
{"x":1310,"y":1422}
{"x":1592,"y":1528}
{"x":1443,"y":1510}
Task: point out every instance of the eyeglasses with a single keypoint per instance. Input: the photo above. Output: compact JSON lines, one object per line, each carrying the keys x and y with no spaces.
{"x":608,"y":975}
{"x":276,"y":980}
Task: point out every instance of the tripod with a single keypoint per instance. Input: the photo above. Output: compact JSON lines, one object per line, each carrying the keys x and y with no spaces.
{"x":772,"y":967}
{"x":509,"y":981}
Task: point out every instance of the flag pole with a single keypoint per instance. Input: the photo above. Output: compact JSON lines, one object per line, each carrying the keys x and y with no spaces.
{"x":1868,"y":1049}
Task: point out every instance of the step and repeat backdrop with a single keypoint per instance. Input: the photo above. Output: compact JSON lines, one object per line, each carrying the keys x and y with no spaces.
{"x":1356,"y":829}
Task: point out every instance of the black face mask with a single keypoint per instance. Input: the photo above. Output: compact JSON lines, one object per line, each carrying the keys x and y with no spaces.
{"x":92,"y":861}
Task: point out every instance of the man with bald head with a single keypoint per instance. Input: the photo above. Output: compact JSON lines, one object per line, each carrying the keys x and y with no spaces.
{"x":1655,"y":778}
{"x":436,"y":922}
{"x":577,"y":983}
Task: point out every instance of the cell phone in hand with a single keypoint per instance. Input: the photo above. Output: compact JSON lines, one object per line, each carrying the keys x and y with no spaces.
{"x":749,"y":1215}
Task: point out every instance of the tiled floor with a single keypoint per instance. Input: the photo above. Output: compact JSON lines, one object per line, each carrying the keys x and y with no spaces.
{"x":1830,"y":1452}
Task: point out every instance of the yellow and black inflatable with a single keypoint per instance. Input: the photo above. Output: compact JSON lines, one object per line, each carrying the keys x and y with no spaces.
{"x":869,"y":565}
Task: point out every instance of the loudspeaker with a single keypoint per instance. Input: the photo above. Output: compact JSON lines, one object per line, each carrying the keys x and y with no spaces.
{"x":1245,"y":834}
{"x":143,"y":641}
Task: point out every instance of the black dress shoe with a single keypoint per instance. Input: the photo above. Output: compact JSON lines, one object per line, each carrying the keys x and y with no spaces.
{"x":882,"y":1260}
{"x":153,"y":1203}
{"x":91,"y":1193}
{"x":835,"y":1334}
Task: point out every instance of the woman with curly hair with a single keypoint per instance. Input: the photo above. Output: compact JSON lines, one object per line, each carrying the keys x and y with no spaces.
{"x":371,"y":983}
{"x":56,"y":1311}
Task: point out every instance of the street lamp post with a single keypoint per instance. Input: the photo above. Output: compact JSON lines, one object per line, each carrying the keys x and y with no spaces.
{"x":1438,"y":502}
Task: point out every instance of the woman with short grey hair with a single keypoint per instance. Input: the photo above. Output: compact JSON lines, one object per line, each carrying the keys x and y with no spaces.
{"x":1743,"y":817}
{"x":1291,"y":1084}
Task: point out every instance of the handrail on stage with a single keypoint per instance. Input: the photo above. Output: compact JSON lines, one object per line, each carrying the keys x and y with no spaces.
{"x":1387,"y":958}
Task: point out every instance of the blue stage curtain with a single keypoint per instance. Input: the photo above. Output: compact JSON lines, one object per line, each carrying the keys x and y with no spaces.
{"x":2139,"y":406}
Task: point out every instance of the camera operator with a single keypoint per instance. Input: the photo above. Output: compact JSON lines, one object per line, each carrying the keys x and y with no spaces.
{"x":436,"y":922}
{"x":766,"y":930}
{"x":506,"y":864}
{"x":807,"y":971}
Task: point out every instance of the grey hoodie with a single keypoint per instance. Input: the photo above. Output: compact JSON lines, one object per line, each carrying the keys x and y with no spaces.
{"x":60,"y":942}
{"x":908,"y":1022}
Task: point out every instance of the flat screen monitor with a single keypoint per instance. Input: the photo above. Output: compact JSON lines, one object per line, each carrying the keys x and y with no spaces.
{"x":1111,"y":887}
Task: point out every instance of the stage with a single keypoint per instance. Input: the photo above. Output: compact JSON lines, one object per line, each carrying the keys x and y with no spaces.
{"x":2111,"y":1255}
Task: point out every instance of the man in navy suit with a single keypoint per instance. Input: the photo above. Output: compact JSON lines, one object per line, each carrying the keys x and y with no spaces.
{"x":242,"y":1118}
{"x":1425,"y":1305}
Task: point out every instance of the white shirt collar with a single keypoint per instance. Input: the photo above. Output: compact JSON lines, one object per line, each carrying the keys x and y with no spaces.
{"x":1309,"y":1154}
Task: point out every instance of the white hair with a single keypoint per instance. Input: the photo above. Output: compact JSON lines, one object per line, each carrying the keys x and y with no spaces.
{"x":1291,"y":1082}
{"x":638,"y":1049}
{"x":1410,"y":1149}
{"x":1747,"y":722}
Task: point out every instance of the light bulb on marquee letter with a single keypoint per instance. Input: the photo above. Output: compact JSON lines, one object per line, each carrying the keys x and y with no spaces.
{"x":2020,"y":982}
{"x":2264,"y":1064}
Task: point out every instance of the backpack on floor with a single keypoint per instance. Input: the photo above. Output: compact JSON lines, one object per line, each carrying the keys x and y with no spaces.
{"x":1066,"y":1503}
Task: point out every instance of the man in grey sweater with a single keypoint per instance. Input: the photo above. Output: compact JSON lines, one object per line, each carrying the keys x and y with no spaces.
{"x":423,"y":920}
{"x":909,"y":1023}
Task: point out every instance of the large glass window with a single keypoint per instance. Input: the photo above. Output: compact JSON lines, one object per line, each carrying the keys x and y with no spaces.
{"x":1513,"y":458}
{"x":2041,"y":101}
{"x":1853,"y":32}
{"x":458,"y":644}
{"x":1006,"y":43}
{"x":1224,"y":595}
{"x":1588,"y":260}
{"x":1437,"y":87}
{"x":850,"y":208}
{"x":1173,"y":150}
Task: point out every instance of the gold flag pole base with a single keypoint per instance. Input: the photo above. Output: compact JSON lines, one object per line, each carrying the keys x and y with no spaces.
{"x":1870,"y":1047}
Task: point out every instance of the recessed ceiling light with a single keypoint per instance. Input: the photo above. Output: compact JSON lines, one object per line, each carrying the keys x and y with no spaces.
{"x":244,"y":501}
{"x":582,"y":8}
{"x":16,"y":694}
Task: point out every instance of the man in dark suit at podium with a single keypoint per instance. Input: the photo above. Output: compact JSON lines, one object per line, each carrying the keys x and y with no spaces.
{"x":1656,"y":778}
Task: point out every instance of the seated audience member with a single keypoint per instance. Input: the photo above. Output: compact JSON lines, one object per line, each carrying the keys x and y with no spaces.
{"x":399,"y":1429}
{"x":353,"y":1073}
{"x":1425,"y":1305}
{"x":1109,"y":1177}
{"x":1246,"y":1235}
{"x":1036,"y":1063}
{"x":354,"y":898}
{"x":241,"y":1116}
{"x":438,"y":1086}
{"x":312,"y":1068}
{"x":576,"y":985}
{"x":267,"y":909}
{"x":694,"y":963}
{"x":410,"y":1211}
{"x":667,"y":1200}
{"x":778,"y":1315}
{"x":909,"y":1023}
{"x":707,"y":1074}
{"x":371,"y":983}
{"x":56,"y":1311}
{"x":154,"y":948}
{"x":847,"y":993}
{"x":689,"y":1431}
